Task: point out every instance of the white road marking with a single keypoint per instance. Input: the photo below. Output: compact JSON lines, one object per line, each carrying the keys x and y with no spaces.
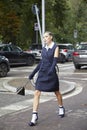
{"x":79,"y":113}
{"x":69,"y":73}
{"x":30,"y":68}
{"x":77,"y":91}
{"x":75,"y":78}
{"x":21,"y":105}
{"x":27,"y":104}
{"x":73,"y":93}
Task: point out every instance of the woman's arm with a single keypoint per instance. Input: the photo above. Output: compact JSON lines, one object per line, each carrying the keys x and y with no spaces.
{"x":55,"y":60}
{"x":56,"y":53}
{"x":35,"y":70}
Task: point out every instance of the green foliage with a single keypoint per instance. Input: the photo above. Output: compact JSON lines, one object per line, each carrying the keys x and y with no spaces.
{"x":62,"y":18}
{"x":9,"y":22}
{"x":82,"y":21}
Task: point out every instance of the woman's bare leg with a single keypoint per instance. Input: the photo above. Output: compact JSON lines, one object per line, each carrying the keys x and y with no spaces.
{"x":60,"y":103}
{"x":35,"y":108}
{"x":36,"y":100}
{"x":59,"y":98}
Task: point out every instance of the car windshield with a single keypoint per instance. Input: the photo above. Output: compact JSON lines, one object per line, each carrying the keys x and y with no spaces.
{"x":36,"y":47}
{"x":10,"y":48}
{"x":82,"y":47}
{"x":65,"y":47}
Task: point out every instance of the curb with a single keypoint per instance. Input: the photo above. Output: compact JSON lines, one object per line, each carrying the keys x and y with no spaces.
{"x":71,"y":87}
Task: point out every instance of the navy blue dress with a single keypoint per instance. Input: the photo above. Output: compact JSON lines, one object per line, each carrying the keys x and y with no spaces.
{"x":45,"y":82}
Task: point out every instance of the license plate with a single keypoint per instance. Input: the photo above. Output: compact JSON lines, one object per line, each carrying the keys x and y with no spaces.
{"x":83,"y":56}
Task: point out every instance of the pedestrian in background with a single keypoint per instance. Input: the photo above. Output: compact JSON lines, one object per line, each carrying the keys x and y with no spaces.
{"x":47,"y":79}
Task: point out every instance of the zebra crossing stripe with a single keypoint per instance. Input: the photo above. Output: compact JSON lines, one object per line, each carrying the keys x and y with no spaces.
{"x":21,"y":105}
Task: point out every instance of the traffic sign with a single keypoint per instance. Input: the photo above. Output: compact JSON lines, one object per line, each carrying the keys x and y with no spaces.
{"x":36,"y":28}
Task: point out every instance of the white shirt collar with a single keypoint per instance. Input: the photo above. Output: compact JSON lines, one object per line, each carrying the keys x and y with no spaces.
{"x":50,"y":46}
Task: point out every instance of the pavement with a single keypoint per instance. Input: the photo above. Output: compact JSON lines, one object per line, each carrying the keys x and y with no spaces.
{"x":48,"y":115}
{"x":14,"y":83}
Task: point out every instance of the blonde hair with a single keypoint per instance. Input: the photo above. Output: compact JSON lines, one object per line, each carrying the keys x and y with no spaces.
{"x":49,"y":33}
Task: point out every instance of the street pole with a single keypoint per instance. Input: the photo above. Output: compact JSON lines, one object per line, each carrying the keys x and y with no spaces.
{"x":43,"y":16}
{"x":38,"y":23}
{"x":35,"y":11}
{"x":43,"y":19}
{"x":36,"y":37}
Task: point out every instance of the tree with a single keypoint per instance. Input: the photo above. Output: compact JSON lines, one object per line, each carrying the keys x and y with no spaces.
{"x":82,"y":21}
{"x":9,"y":22}
{"x":76,"y":20}
{"x":62,"y":18}
{"x":55,"y":15}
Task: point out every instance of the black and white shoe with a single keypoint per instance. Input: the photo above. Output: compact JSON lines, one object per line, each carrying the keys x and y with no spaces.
{"x":61,"y":112}
{"x":33,"y":122}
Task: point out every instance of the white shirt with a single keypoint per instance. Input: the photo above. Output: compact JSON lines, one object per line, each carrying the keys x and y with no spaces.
{"x":50,"y":46}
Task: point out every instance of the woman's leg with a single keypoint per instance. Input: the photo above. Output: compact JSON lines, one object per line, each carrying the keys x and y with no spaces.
{"x":60,"y":103}
{"x":59,"y":98}
{"x":35,"y":108}
{"x":36,"y":100}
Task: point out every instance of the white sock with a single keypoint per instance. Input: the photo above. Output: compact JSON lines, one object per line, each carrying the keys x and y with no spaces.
{"x":34,"y":117}
{"x":61,"y":110}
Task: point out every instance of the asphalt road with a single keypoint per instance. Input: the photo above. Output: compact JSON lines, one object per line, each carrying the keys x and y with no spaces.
{"x":15,"y":110}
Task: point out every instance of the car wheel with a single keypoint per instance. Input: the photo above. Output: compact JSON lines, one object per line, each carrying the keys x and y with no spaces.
{"x":30,"y":61}
{"x":3,"y":70}
{"x":77,"y":66}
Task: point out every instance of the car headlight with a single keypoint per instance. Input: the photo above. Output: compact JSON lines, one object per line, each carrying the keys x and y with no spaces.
{"x":3,"y":57}
{"x":7,"y":59}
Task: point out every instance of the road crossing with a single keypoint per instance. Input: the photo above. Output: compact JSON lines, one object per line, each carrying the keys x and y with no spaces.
{"x":18,"y":106}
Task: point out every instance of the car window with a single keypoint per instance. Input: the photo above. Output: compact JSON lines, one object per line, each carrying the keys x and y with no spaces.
{"x":82,"y":47}
{"x":70,"y":47}
{"x":1,"y":48}
{"x":4,"y":48}
{"x":36,"y":47}
{"x":62,"y":47}
{"x":66,"y":47}
{"x":15,"y":48}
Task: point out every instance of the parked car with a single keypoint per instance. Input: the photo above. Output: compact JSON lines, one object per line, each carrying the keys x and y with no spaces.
{"x":80,"y":55}
{"x":65,"y":52}
{"x":16,"y":55}
{"x":4,"y":66}
{"x":36,"y":50}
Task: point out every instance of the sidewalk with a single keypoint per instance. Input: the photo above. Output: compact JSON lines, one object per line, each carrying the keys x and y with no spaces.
{"x":13,"y":84}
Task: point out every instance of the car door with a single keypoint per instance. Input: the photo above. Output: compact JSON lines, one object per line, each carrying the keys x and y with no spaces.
{"x":18,"y":54}
{"x":82,"y":50}
{"x":6,"y":51}
{"x":70,"y":51}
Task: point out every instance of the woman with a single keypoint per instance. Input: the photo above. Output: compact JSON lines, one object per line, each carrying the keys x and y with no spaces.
{"x":47,"y":80}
